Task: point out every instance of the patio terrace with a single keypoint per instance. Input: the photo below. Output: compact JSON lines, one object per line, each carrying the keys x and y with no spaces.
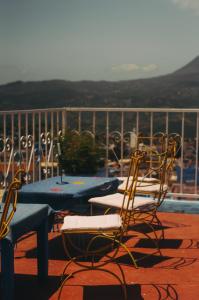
{"x":174,"y":275}
{"x":170,"y":276}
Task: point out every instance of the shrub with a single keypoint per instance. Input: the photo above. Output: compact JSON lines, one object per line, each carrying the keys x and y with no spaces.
{"x":80,"y":153}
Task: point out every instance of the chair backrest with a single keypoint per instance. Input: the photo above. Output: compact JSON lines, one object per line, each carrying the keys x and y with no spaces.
{"x":136,"y":184}
{"x":155,"y":167}
{"x":174,"y":142}
{"x":9,"y":207}
{"x":21,"y":175}
{"x":130,"y":190}
{"x":156,"y":142}
{"x":158,"y":145}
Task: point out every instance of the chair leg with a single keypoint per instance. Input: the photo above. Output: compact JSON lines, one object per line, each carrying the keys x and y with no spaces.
{"x":91,"y":209}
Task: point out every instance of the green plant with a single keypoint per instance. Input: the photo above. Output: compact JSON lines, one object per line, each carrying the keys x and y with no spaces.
{"x":80,"y":153}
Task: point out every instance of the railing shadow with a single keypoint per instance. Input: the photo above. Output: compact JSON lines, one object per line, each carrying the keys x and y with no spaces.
{"x":165,"y":291}
{"x":136,"y":291}
{"x":168,"y":243}
{"x":28,"y":287}
{"x":143,"y":228}
{"x":163,"y":244}
{"x":108,"y":292}
{"x":177,"y":263}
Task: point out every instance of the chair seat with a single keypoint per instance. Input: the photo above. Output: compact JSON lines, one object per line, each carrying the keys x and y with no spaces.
{"x":91,"y":223}
{"x":116,"y":200}
{"x":148,"y":185}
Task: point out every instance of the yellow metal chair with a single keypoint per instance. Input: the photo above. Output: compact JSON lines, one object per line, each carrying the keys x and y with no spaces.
{"x":108,"y":228}
{"x":148,"y":195}
{"x":155,"y":183}
{"x":156,"y":146}
{"x":152,"y":186}
{"x":159,"y":146}
{"x":9,"y":206}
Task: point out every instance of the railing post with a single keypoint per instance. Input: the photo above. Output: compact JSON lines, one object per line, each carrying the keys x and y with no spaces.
{"x":107,"y":141}
{"x":122,"y":143}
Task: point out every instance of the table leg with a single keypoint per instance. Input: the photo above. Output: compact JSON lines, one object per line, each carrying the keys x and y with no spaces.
{"x":42,"y":250}
{"x":7,"y":270}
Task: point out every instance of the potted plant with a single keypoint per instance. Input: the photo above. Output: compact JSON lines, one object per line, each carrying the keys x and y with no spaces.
{"x":80,"y":153}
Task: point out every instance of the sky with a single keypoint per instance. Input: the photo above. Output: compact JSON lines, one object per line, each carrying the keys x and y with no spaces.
{"x":96,"y":39}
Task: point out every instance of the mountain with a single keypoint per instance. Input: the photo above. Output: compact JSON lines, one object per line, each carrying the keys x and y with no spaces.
{"x":179,"y":89}
{"x":191,"y":68}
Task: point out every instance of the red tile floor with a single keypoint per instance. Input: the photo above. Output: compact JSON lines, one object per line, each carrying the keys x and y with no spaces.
{"x":174,"y":275}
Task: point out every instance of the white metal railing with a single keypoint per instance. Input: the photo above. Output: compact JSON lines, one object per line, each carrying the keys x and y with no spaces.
{"x":30,"y":137}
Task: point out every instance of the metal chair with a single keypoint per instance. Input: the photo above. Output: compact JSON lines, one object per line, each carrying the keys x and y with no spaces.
{"x":152,"y":186}
{"x":158,"y":147}
{"x":109,"y":229}
{"x":9,"y":206}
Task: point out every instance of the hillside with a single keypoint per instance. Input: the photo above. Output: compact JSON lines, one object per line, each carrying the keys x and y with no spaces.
{"x":179,"y":89}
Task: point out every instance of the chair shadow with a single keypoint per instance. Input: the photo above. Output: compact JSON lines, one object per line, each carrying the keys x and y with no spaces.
{"x":143,"y":260}
{"x":177,"y":263}
{"x":168,"y":243}
{"x":143,"y":228}
{"x":56,"y":252}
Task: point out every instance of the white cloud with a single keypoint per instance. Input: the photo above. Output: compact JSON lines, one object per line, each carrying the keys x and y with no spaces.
{"x":188,"y":4}
{"x":133,"y":68}
{"x":149,"y":68}
{"x":125,"y":68}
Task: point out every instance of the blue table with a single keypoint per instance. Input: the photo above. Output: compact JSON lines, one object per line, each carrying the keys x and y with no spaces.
{"x":74,"y":190}
{"x":31,"y":217}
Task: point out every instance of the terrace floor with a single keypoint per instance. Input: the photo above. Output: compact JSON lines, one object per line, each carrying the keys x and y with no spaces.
{"x":174,"y":275}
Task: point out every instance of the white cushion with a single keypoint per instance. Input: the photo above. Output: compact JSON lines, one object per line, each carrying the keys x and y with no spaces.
{"x":140,"y":178}
{"x":152,"y":188}
{"x":116,"y":200}
{"x":148,"y":185}
{"x":102,"y":222}
{"x":147,"y":179}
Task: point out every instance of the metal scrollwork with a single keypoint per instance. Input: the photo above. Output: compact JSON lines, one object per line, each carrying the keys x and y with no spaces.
{"x":2,"y":181}
{"x":60,"y":134}
{"x":75,"y":132}
{"x":127,"y":137}
{"x":8,"y":145}
{"x":48,"y":138}
{"x":23,"y":142}
{"x":88,"y":133}
{"x":29,"y":141}
{"x":115,"y":137}
{"x":45,"y":138}
{"x":2,"y":146}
